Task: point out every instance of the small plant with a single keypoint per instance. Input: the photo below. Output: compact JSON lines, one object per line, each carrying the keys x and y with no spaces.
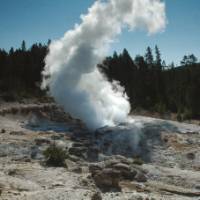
{"x":138,"y":161}
{"x":55,"y":156}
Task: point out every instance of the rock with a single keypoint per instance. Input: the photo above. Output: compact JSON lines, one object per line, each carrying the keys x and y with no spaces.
{"x":57,"y":184}
{"x":138,"y":161}
{"x":57,"y":137}
{"x":123,"y":159}
{"x":77,"y":170}
{"x":77,"y":144}
{"x":34,"y":152}
{"x":85,"y":182}
{"x":129,"y":175}
{"x":61,"y":144}
{"x":21,"y":159}
{"x":3,"y":130}
{"x":111,"y":162}
{"x":107,"y":179}
{"x":125,"y":170}
{"x":73,"y":158}
{"x":94,"y":168}
{"x":107,"y":174}
{"x":140,"y":177}
{"x":96,"y":196}
{"x":121,"y":166}
{"x":93,"y":154}
{"x":197,"y":187}
{"x":17,"y":133}
{"x":42,"y":140}
{"x":191,"y":156}
{"x":78,"y":151}
{"x":12,"y":172}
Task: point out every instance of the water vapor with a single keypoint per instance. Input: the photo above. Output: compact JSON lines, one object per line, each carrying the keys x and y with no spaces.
{"x":70,"y":67}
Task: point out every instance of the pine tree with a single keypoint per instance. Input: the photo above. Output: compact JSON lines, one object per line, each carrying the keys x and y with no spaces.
{"x":149,"y":57}
{"x":23,"y":46}
{"x":11,"y":51}
{"x":158,"y":58}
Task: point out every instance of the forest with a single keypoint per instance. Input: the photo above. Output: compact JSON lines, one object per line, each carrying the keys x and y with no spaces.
{"x":149,"y":83}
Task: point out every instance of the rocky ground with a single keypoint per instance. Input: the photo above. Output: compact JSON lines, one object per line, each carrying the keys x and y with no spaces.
{"x":144,"y":159}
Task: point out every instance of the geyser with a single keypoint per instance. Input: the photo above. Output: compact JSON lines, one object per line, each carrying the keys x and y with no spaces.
{"x":70,"y":72}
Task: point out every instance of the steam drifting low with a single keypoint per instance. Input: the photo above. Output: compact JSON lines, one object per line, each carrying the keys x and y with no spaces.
{"x":70,"y":71}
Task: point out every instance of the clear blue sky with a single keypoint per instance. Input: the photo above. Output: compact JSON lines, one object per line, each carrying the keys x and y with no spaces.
{"x":40,"y":20}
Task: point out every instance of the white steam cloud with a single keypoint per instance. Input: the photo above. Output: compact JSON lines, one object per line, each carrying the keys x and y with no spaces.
{"x":70,"y":71}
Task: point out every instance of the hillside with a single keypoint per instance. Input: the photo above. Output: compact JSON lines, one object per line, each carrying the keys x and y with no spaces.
{"x":157,"y":159}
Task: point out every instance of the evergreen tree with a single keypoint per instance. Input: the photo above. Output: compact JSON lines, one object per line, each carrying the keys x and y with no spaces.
{"x":192,"y":59}
{"x":140,"y":62}
{"x":11,"y":51}
{"x":23,"y":46}
{"x":158,"y":58}
{"x":149,"y":57}
{"x":189,"y":60}
{"x":49,"y":42}
{"x":164,"y":66}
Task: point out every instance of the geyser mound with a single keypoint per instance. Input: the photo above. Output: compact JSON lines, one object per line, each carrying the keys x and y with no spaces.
{"x":70,"y":71}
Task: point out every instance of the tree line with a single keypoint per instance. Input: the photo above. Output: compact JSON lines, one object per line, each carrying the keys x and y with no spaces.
{"x":149,"y":83}
{"x":20,"y":69}
{"x":152,"y":85}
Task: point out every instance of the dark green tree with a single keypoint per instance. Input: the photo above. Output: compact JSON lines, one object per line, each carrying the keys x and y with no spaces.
{"x":158,"y":60}
{"x":23,"y":46}
{"x":189,"y":60}
{"x":149,"y":57}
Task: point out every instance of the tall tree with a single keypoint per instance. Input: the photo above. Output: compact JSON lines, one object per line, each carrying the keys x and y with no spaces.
{"x":192,"y":59}
{"x":23,"y":46}
{"x":149,"y":57}
{"x":158,"y":58}
{"x":189,"y":60}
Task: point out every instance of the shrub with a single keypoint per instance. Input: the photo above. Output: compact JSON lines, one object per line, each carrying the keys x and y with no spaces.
{"x":138,"y":161}
{"x":55,"y":156}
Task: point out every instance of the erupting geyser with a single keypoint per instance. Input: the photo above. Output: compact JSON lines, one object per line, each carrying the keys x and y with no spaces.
{"x":70,"y":71}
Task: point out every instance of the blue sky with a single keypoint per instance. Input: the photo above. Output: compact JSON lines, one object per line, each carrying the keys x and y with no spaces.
{"x":40,"y":20}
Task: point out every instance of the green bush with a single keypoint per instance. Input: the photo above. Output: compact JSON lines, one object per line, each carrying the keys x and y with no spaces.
{"x":138,"y":161}
{"x":55,"y":156}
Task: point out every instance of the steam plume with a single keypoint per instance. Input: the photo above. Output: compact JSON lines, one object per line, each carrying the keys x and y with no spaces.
{"x":70,"y":71}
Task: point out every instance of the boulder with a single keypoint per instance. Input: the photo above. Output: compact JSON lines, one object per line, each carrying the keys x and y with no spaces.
{"x":122,"y":167}
{"x":125,"y":171}
{"x":93,"y":154}
{"x":3,"y":130}
{"x":77,"y":170}
{"x":78,"y":151}
{"x":57,"y":136}
{"x":42,"y":140}
{"x":107,"y":179}
{"x":191,"y":156}
{"x":94,"y":168}
{"x":96,"y":196}
{"x":140,"y":177}
{"x":17,"y":133}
